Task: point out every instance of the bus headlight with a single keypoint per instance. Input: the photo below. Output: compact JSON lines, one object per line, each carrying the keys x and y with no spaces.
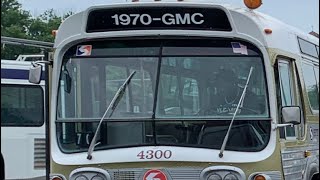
{"x":89,"y":173}
{"x":97,"y":177}
{"x":214,"y":177}
{"x":230,"y":176}
{"x":81,"y":177}
{"x":222,"y":173}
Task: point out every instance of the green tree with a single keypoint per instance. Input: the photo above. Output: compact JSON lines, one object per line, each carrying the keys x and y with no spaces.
{"x":41,"y":27}
{"x":14,"y":20}
{"x":14,"y":23}
{"x":18,"y":23}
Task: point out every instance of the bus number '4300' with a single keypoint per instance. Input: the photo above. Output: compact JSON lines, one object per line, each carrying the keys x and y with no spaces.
{"x":158,"y":154}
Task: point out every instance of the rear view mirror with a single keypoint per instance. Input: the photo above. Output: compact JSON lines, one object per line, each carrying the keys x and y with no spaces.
{"x":291,"y":114}
{"x":35,"y":73}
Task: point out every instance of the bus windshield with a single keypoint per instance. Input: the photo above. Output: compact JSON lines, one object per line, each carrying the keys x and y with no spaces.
{"x":184,"y":93}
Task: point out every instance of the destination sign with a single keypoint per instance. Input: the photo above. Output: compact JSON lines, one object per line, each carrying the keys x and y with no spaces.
{"x":157,"y":18}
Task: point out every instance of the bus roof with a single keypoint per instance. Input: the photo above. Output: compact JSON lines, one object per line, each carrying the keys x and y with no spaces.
{"x":243,"y":21}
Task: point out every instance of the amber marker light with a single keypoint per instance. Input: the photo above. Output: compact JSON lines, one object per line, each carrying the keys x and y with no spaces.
{"x":54,"y":32}
{"x":268,"y":31}
{"x":252,"y":4}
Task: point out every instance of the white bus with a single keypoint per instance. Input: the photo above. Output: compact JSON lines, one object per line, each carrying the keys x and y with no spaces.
{"x":22,"y":122}
{"x":208,"y":92}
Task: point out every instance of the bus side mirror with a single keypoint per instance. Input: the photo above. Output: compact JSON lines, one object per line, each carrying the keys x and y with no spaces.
{"x":35,"y":73}
{"x":291,"y":115}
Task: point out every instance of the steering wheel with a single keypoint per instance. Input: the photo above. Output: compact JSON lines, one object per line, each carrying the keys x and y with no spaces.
{"x":211,"y":111}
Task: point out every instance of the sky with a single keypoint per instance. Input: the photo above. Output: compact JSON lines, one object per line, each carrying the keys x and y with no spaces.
{"x":302,"y":14}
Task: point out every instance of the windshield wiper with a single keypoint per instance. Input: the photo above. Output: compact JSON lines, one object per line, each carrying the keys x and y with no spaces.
{"x":114,"y":103}
{"x":235,"y":113}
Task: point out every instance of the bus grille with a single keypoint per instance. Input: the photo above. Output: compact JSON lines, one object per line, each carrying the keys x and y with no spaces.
{"x":175,"y":173}
{"x":126,"y":174}
{"x":39,"y":153}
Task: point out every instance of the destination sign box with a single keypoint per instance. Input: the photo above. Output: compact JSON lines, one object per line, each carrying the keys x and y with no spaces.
{"x":157,"y":18}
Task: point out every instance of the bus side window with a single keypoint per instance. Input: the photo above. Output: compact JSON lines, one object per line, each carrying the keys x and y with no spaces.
{"x":22,"y":105}
{"x":287,"y":94}
{"x":311,"y":81}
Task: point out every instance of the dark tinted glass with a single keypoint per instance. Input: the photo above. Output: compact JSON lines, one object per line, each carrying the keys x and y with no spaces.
{"x":21,"y":105}
{"x":119,"y":48}
{"x":212,"y":47}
